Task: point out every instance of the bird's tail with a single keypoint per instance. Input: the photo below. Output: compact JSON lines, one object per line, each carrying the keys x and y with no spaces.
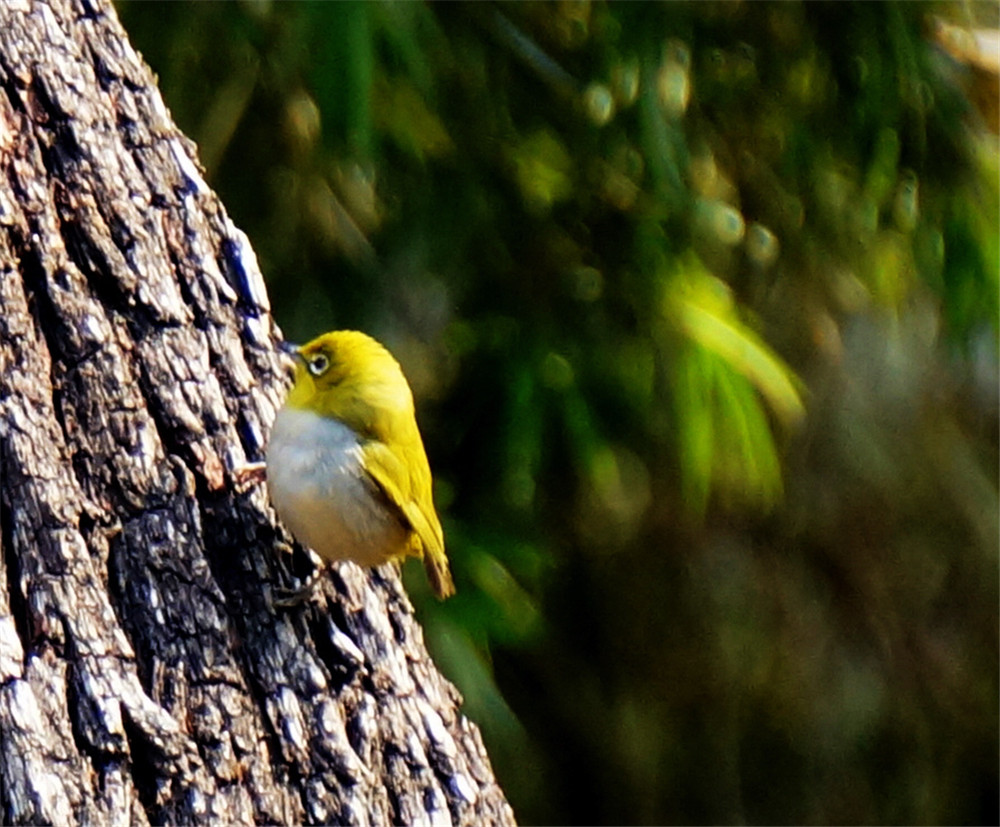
{"x":439,"y":575}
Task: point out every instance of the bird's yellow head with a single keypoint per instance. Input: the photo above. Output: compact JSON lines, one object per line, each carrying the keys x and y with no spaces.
{"x":347,"y":375}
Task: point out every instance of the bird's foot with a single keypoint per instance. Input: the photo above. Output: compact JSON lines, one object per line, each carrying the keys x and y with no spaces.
{"x":290,"y":598}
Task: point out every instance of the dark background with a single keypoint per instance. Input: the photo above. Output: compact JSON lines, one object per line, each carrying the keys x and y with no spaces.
{"x":699,"y":304}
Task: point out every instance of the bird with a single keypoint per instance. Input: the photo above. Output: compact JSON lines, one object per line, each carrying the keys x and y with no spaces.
{"x":346,"y":468}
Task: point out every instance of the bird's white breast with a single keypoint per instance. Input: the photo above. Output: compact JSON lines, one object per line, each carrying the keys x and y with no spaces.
{"x":317,"y":485}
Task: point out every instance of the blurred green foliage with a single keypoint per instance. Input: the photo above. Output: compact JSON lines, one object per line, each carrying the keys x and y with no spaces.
{"x":700,"y":304}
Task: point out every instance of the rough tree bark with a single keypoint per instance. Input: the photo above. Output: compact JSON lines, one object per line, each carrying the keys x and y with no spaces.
{"x":144,"y":675}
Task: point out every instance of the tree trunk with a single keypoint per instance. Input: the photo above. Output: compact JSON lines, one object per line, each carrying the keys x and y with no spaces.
{"x":145,"y":676}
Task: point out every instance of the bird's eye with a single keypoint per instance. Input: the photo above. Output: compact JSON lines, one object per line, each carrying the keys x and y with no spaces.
{"x":318,"y":364}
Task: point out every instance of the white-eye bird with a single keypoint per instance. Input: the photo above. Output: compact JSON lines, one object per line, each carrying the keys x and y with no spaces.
{"x":346,"y":467}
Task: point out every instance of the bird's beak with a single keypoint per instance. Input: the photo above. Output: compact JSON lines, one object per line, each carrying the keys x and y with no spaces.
{"x":291,"y":355}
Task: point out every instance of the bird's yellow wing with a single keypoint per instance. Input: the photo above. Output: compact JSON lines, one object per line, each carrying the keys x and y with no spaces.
{"x":407,"y":487}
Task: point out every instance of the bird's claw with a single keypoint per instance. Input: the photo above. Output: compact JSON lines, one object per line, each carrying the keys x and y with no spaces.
{"x":290,"y":598}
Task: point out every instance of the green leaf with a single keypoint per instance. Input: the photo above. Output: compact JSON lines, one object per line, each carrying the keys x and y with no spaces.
{"x":702,"y":306}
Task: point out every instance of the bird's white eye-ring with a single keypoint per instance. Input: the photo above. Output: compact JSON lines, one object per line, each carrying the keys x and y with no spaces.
{"x":318,"y":364}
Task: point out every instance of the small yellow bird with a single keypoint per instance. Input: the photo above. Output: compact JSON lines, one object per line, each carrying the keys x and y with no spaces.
{"x":346,"y":467}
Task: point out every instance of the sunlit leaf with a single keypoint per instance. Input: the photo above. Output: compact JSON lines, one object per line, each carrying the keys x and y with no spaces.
{"x":691,"y":388}
{"x":703,"y":308}
{"x":543,"y":170}
{"x":748,"y":458}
